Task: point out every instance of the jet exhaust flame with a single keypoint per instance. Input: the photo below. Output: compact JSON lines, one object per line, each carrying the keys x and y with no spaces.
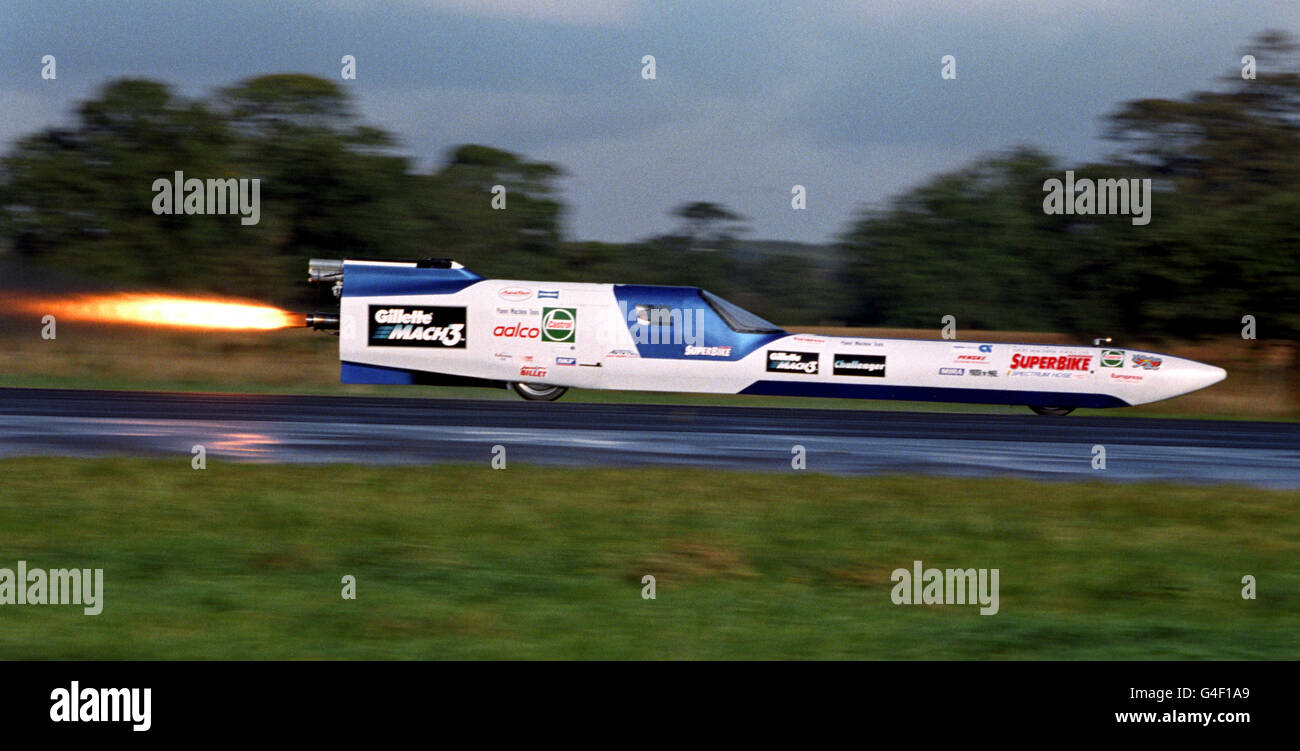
{"x":227,"y":314}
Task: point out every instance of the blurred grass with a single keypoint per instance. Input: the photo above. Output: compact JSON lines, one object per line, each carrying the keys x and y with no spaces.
{"x":304,"y":362}
{"x":244,"y":561}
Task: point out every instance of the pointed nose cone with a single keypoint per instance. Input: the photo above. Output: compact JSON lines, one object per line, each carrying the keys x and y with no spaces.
{"x":1142,"y":378}
{"x":1208,"y":375}
{"x":1187,"y":376}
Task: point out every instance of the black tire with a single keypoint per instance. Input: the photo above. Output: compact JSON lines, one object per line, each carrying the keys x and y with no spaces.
{"x":1053,"y":411}
{"x":538,"y":392}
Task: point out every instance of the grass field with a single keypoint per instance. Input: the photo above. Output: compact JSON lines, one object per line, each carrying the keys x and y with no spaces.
{"x":245,"y":562}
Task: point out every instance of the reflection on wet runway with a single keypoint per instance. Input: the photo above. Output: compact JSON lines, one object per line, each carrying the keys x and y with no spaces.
{"x":680,"y":443}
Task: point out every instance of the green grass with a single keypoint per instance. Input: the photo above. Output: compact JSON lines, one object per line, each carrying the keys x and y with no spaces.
{"x":244,"y":561}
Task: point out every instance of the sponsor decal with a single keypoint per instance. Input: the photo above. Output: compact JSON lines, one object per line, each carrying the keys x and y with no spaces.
{"x":693,"y":351}
{"x":1050,"y":362}
{"x":860,"y":343}
{"x":617,"y":353}
{"x":985,"y":348}
{"x":1125,"y":377}
{"x":553,"y":294}
{"x":532,"y":371}
{"x":972,"y":358}
{"x":859,"y":365}
{"x":981,"y":372}
{"x":425,"y":326}
{"x":515,"y":294}
{"x":1111,"y":358}
{"x":952,"y":371}
{"x":792,"y":362}
{"x":519,"y":330}
{"x":566,"y":361}
{"x":1146,"y":362}
{"x":559,"y":325}
{"x":502,"y":355}
{"x":808,"y":339}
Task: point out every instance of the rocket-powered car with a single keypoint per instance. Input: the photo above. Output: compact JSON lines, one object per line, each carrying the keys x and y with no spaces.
{"x":435,"y":322}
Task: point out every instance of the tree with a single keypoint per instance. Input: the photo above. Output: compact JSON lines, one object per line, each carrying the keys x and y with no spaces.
{"x":706,"y":225}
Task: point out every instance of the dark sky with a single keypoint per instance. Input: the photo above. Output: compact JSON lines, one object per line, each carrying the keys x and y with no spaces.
{"x":750,"y":98}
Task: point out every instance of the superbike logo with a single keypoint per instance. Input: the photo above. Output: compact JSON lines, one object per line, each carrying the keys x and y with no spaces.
{"x":859,"y":365}
{"x":792,"y":362}
{"x":696,"y":351}
{"x":559,"y":325}
{"x":417,"y":327}
{"x":1061,"y":362}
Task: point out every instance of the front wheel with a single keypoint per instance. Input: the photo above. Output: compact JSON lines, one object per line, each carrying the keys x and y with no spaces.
{"x":1053,"y":411}
{"x":536,"y":392}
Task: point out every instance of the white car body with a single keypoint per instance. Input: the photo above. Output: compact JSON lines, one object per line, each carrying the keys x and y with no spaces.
{"x":439,"y":323}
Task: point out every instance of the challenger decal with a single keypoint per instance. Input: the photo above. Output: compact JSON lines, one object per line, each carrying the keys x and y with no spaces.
{"x":859,"y":365}
{"x":1146,"y":362}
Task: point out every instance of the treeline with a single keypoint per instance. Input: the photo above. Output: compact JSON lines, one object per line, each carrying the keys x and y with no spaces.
{"x":1223,"y":240}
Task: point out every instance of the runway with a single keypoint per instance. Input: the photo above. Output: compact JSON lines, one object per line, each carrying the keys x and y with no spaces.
{"x":325,"y":429}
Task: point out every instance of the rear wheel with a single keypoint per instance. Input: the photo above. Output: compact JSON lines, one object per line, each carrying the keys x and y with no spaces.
{"x":538,"y":392}
{"x":1053,"y":411}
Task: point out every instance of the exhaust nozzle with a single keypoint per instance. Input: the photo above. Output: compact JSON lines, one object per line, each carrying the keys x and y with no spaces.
{"x":323,"y":321}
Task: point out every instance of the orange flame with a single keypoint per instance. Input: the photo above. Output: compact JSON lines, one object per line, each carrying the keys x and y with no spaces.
{"x":167,"y":310}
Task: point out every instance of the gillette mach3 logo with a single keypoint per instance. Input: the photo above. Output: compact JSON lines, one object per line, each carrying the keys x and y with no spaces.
{"x":431,"y":326}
